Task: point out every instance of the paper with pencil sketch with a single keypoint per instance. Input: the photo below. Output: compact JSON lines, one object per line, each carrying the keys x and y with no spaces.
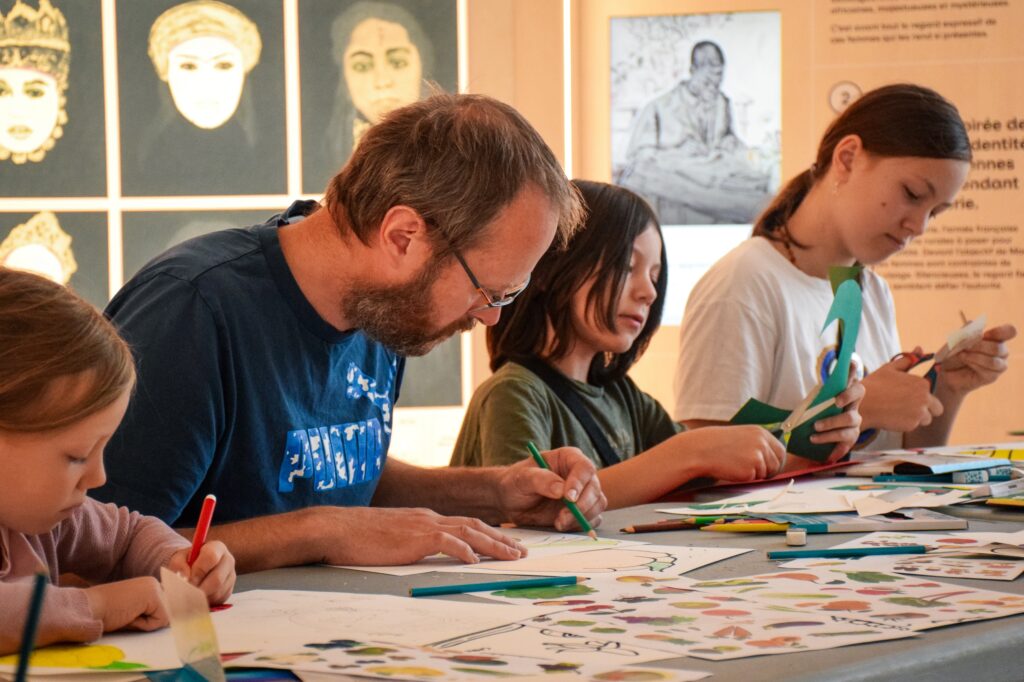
{"x":538,"y":543}
{"x":282,"y":619}
{"x":653,"y":559}
{"x":814,"y":497}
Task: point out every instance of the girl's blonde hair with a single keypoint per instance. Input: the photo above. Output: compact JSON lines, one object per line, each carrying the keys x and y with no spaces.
{"x":47,"y":333}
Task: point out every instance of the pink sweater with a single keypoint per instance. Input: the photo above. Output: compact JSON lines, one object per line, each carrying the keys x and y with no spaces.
{"x":100,"y":543}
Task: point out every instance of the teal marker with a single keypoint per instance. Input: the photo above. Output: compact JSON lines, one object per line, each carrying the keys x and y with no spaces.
{"x":845,"y":552}
{"x":546,"y":581}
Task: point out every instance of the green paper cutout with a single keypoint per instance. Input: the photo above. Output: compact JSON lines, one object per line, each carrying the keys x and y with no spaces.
{"x":837,"y":274}
{"x":846,"y":308}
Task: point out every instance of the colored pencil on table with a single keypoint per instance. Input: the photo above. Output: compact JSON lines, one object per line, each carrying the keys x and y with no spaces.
{"x":546,"y":581}
{"x":846,"y":552}
{"x":202,"y":528}
{"x":580,"y":518}
{"x":761,"y":527}
{"x":28,"y":633}
{"x":660,"y":526}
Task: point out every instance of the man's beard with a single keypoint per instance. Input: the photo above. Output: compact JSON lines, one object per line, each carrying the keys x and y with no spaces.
{"x":399,"y":316}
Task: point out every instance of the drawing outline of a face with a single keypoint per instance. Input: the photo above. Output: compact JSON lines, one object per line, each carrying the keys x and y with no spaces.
{"x":40,"y":246}
{"x":35,"y":57}
{"x":203,"y":50}
{"x":382,"y":68}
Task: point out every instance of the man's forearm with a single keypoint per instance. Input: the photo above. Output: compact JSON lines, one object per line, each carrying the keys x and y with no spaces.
{"x":457,"y":491}
{"x":267,"y":542}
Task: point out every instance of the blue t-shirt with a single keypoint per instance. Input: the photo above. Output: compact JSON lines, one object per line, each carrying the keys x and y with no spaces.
{"x":244,"y":391}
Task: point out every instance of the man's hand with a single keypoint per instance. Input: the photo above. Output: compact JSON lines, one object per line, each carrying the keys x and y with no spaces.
{"x":532,"y":496}
{"x":386,"y":536}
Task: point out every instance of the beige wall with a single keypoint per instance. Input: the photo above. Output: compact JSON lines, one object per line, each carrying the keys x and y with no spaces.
{"x":515,"y":54}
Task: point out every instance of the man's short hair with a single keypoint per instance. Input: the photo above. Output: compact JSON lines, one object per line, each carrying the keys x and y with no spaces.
{"x":705,"y":45}
{"x":458,"y":160}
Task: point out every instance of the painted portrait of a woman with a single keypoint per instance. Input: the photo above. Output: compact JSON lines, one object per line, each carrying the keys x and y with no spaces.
{"x":381,"y":57}
{"x":203,"y":84}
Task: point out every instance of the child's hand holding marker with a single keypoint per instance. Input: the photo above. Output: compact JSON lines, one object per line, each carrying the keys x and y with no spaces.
{"x":209,"y":566}
{"x":213,"y":571}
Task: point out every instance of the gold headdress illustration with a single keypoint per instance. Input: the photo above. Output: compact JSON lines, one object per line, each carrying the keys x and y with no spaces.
{"x":40,"y":246}
{"x":203,"y":18}
{"x":37,"y":40}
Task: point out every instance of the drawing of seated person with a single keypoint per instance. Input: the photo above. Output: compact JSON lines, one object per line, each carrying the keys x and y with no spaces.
{"x":383,"y":53}
{"x":35,"y":56}
{"x":40,"y":246}
{"x":685,"y":158}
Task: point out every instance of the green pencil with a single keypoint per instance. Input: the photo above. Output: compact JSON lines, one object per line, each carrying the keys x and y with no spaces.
{"x":580,"y":518}
{"x":545,"y":581}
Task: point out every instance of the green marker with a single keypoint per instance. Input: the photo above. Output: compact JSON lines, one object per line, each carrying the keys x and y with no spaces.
{"x":580,"y":518}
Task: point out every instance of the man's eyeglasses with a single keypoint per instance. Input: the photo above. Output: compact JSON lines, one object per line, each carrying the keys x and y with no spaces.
{"x":492,"y":300}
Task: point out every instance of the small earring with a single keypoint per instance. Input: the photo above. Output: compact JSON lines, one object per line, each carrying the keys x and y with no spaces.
{"x":835,"y":187}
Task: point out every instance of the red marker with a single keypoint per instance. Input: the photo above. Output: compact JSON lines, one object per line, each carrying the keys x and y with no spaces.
{"x":202,"y":528}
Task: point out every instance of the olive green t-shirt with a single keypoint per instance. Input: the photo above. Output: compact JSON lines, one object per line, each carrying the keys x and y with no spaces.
{"x":515,"y":406}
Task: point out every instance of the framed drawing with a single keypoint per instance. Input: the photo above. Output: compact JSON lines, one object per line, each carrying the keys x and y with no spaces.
{"x":68,"y":248}
{"x":696,"y":111}
{"x":201,"y":85}
{"x":51,"y":99}
{"x":359,"y":60}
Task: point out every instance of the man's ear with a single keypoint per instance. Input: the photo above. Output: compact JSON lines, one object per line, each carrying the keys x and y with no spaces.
{"x":846,"y":150}
{"x":403,"y":239}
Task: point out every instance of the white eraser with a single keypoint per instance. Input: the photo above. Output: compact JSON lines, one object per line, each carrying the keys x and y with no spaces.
{"x":796,"y":537}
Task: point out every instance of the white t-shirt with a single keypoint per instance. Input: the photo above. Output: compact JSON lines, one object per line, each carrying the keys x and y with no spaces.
{"x":753,"y":329}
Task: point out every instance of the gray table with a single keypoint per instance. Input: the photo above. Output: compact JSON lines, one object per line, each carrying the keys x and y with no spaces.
{"x":987,"y":651}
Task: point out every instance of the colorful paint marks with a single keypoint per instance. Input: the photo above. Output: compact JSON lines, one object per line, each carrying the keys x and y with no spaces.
{"x":393,"y":661}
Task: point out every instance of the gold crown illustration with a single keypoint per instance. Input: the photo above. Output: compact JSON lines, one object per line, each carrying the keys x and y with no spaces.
{"x":203,"y":18}
{"x":36,"y":38}
{"x":43,"y":229}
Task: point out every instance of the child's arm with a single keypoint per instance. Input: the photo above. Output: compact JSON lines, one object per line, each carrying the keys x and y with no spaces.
{"x":726,"y":453}
{"x":108,"y":542}
{"x":104,"y":542}
{"x":66,"y":616}
{"x":134,"y":604}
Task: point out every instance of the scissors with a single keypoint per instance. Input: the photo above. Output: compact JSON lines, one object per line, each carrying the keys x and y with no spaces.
{"x":804,"y":412}
{"x":932,"y":374}
{"x":958,"y":340}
